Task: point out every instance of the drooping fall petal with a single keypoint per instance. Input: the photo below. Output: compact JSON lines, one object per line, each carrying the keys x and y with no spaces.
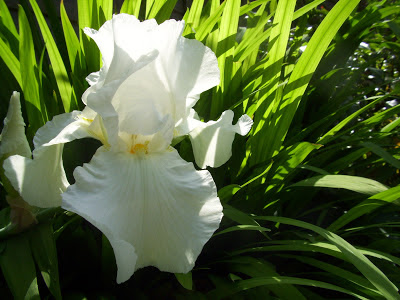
{"x":155,"y":209}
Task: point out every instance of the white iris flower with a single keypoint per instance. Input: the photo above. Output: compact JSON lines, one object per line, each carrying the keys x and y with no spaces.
{"x":155,"y":208}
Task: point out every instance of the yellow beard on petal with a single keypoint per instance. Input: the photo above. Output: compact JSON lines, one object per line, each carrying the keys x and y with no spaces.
{"x":86,"y":119}
{"x":140,"y":148}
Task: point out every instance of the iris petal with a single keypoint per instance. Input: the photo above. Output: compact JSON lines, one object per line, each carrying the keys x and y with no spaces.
{"x":212,"y":141}
{"x":106,"y":100}
{"x":157,"y":203}
{"x":62,"y":129}
{"x":190,"y":67}
{"x":40,"y":181}
{"x":149,"y":71}
{"x":186,"y":67}
{"x":13,"y":139}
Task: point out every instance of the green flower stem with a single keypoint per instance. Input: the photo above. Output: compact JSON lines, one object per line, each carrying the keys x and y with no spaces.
{"x":42,"y":216}
{"x":46,"y":214}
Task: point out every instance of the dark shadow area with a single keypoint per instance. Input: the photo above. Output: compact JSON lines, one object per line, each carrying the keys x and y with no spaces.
{"x":78,"y":152}
{"x":225,"y":45}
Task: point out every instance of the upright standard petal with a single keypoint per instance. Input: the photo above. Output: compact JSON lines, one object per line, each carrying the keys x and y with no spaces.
{"x":149,"y":71}
{"x":122,"y":40}
{"x":155,"y":209}
{"x":143,"y":102}
{"x":187,"y":67}
{"x":105,"y":99}
{"x":190,"y":67}
{"x":13,"y":139}
{"x":212,"y":141}
{"x":130,"y":43}
{"x":104,"y":40}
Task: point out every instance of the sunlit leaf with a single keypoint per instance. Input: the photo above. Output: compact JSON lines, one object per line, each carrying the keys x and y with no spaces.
{"x":352,"y":183}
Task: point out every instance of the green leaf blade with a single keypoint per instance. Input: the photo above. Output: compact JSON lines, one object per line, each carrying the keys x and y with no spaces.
{"x":11,"y":61}
{"x":352,"y":183}
{"x":29,"y":79}
{"x":18,"y":268}
{"x":67,"y":96}
{"x":364,"y":265}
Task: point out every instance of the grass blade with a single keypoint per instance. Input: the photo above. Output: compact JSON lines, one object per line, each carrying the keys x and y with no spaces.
{"x":78,"y":66}
{"x":365,"y":207}
{"x":267,"y":280}
{"x":364,"y":265}
{"x":287,"y":161}
{"x":378,"y":150}
{"x":244,"y":9}
{"x":7,"y":28}
{"x":352,"y":183}
{"x":44,"y":251}
{"x":30,"y":82}
{"x":193,"y":19}
{"x":87,"y":17}
{"x":306,"y":8}
{"x":328,"y":136}
{"x":106,"y":7}
{"x":185,"y":280}
{"x":18,"y":268}
{"x":225,"y":49}
{"x":320,"y":247}
{"x":206,"y":27}
{"x":67,"y":96}
{"x":299,"y":80}
{"x":160,"y":10}
{"x":127,"y":7}
{"x":257,"y":268}
{"x":253,"y":37}
{"x":240,"y":228}
{"x":11,"y":61}
{"x":7,"y":20}
{"x":392,"y":125}
{"x":339,"y":272}
{"x":276,"y":52}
